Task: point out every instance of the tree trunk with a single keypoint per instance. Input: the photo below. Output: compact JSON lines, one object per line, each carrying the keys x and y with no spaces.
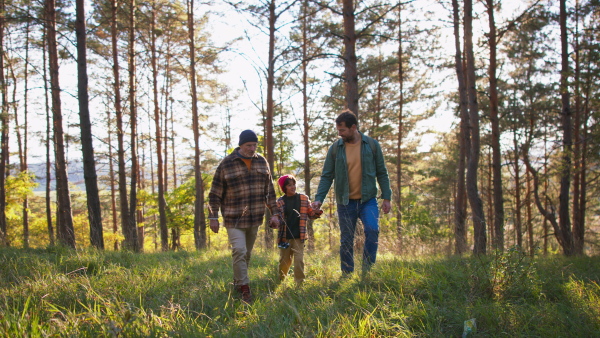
{"x":479,"y":228}
{"x":460,"y":205}
{"x":578,"y":230}
{"x":66,"y":232}
{"x":132,"y":239}
{"x":4,"y":135}
{"x":518,"y":203}
{"x":111,"y":177}
{"x":87,"y":148}
{"x":48,"y":140}
{"x":350,"y":60}
{"x":162,"y":216}
{"x":122,"y":174}
{"x":306,"y":134}
{"x":399,"y":232}
{"x":498,"y":238}
{"x":199,"y":217}
{"x":567,"y":142}
{"x":269,"y":146}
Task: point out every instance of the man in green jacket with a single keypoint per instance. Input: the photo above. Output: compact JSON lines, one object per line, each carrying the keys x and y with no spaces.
{"x":353,"y":164}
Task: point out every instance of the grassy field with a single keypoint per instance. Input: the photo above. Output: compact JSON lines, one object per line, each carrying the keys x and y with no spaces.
{"x":57,"y":292}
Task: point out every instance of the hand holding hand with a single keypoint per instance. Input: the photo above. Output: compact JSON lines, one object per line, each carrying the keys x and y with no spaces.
{"x":316,"y":205}
{"x":274,"y":222}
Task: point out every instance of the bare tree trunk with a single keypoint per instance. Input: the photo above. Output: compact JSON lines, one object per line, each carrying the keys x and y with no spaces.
{"x":22,"y":139}
{"x":567,"y":127}
{"x":529,"y":221}
{"x":4,"y":135}
{"x":48,"y":140}
{"x":399,"y":232}
{"x":479,"y":228}
{"x":111,"y":175}
{"x":306,"y":125}
{"x":132,"y":222}
{"x":162,"y":216}
{"x":578,"y":230}
{"x":498,"y":238}
{"x":460,"y":206}
{"x":269,"y":145}
{"x":518,"y":203}
{"x":87,"y":148}
{"x":350,"y":60}
{"x":199,"y":217}
{"x":122,"y":174}
{"x":66,"y":232}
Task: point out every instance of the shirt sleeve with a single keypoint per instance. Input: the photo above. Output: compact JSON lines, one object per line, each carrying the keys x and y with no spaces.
{"x":382,"y":174}
{"x":327,"y":175}
{"x":215,"y":196}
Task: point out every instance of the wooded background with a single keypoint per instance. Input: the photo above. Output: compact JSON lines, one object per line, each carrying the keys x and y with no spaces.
{"x":135,"y":94}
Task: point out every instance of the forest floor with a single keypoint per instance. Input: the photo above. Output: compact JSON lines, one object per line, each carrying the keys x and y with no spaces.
{"x":58,"y":292}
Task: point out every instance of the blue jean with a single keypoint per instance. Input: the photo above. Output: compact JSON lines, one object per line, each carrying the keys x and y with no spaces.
{"x":368,"y":213}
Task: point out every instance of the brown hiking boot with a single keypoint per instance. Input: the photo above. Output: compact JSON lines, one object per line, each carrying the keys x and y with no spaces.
{"x":246,"y":294}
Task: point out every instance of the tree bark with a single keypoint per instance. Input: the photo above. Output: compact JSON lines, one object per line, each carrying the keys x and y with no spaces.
{"x":460,"y":205}
{"x":87,"y":147}
{"x":498,"y":224}
{"x":162,"y":204}
{"x":399,"y":232}
{"x":306,"y":125}
{"x":66,"y":232}
{"x":199,"y":217}
{"x":350,"y":60}
{"x":122,"y":174}
{"x":4,"y":134}
{"x":478,"y":215}
{"x":132,"y":239}
{"x":48,"y":140}
{"x":269,"y":146}
{"x":567,"y":141}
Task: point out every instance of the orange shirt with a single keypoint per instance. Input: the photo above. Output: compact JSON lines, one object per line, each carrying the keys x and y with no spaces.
{"x":354,"y":170}
{"x":248,"y":162}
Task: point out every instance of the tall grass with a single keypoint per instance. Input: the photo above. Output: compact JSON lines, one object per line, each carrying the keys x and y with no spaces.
{"x":59,"y":292}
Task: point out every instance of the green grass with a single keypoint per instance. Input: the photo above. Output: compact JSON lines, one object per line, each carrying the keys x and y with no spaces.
{"x":63,"y":293}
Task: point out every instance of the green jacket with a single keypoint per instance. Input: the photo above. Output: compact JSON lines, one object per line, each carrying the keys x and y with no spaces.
{"x":336,"y":169}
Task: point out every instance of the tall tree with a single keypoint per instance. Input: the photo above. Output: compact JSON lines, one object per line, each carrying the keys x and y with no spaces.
{"x":478,"y":215}
{"x":132,"y":238}
{"x":567,"y":139}
{"x":498,"y":224}
{"x":66,"y":232}
{"x":122,"y":173}
{"x":350,"y":59}
{"x":162,"y":218}
{"x":199,"y":218}
{"x":4,"y":132}
{"x":460,"y":206}
{"x":87,"y":147}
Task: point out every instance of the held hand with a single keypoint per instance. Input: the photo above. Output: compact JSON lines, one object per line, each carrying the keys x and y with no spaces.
{"x":214,"y":225}
{"x":386,"y":206}
{"x":274,"y":222}
{"x":316,"y":205}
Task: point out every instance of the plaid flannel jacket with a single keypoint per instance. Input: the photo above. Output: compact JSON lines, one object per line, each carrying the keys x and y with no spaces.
{"x":306,"y":212}
{"x":242,"y":194}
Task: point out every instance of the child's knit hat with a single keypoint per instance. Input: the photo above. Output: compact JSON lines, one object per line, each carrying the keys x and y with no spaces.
{"x":281,"y":181}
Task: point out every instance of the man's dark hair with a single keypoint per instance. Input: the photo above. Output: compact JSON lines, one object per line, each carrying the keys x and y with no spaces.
{"x":348,"y":117}
{"x":288,"y":180}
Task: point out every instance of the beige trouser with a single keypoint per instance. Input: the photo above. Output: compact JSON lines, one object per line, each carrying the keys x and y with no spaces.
{"x":296,"y":249}
{"x":241,"y":242}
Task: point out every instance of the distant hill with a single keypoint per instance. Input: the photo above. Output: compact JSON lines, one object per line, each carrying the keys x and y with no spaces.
{"x":75,"y":172}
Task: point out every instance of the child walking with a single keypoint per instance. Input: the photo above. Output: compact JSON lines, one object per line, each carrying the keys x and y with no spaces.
{"x":295,"y":212}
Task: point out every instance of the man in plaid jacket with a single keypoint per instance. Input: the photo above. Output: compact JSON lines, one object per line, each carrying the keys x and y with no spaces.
{"x":241,"y":188}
